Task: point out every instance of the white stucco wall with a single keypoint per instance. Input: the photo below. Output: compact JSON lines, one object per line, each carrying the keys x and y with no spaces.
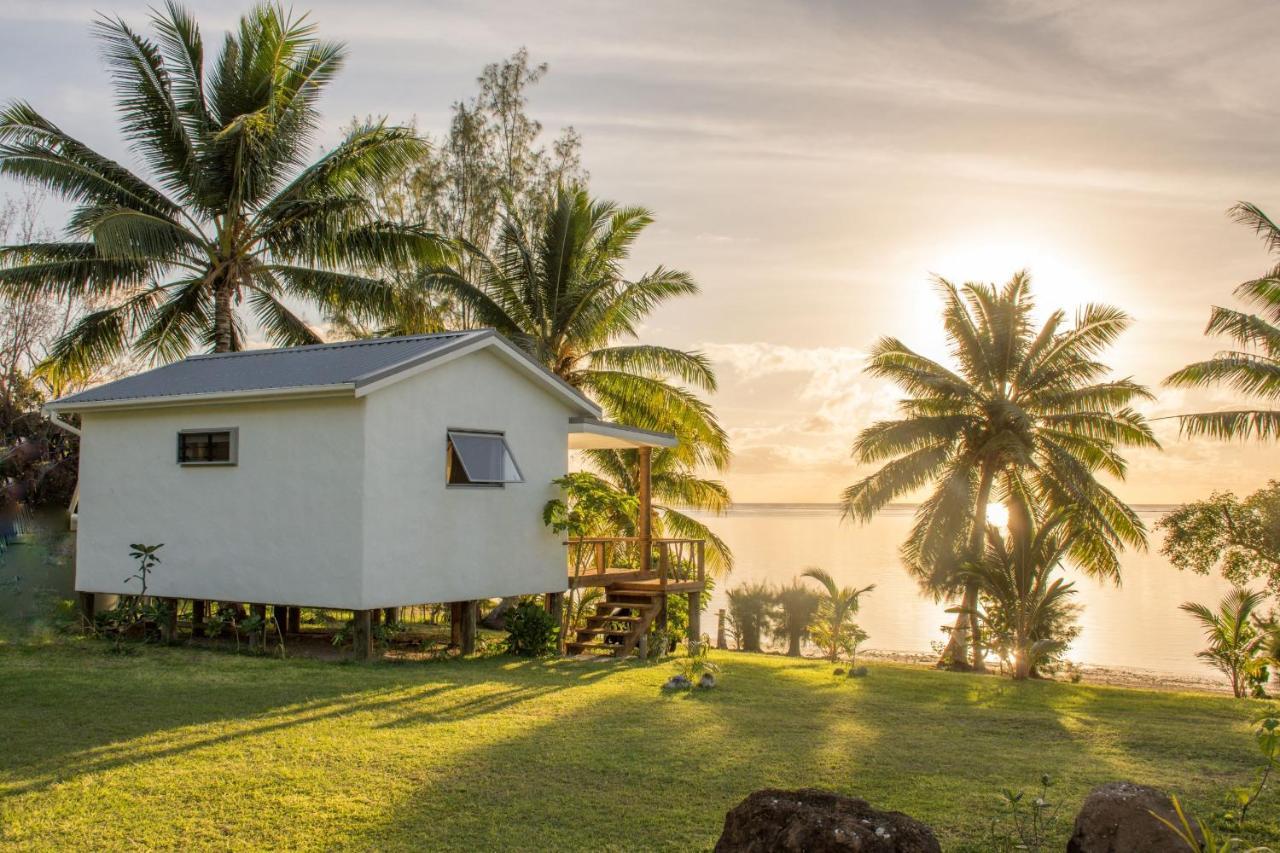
{"x":282,"y":526}
{"x":425,"y":541}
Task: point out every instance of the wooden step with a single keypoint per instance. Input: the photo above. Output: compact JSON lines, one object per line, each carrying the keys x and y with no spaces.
{"x":602,"y":630}
{"x":626,"y":605}
{"x":580,"y":648}
{"x":615,"y":619}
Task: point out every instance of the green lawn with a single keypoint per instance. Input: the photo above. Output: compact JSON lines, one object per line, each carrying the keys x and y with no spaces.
{"x":173,"y":748}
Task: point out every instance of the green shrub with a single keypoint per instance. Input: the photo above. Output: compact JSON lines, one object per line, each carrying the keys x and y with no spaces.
{"x":531,"y":631}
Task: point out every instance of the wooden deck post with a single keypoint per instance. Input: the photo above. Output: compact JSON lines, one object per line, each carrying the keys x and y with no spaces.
{"x":169,"y":629}
{"x":87,"y":601}
{"x":390,"y":614}
{"x":295,"y":621}
{"x":280,"y":613}
{"x":199,"y":611}
{"x":644,"y":524}
{"x":455,"y":624}
{"x":363,"y":634}
{"x":260,"y":612}
{"x":554,"y":602}
{"x":721,"y":641}
{"x":468,"y":640}
{"x":695,"y":621}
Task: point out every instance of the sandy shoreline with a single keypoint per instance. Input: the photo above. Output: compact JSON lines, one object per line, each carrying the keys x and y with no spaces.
{"x":1090,"y":674}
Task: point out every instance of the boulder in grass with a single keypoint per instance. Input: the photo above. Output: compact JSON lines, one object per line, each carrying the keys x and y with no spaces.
{"x":707,"y":680}
{"x":677,"y":682}
{"x":818,"y":822}
{"x":1117,"y":818}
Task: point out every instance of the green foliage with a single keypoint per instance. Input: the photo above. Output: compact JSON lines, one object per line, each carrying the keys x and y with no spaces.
{"x":1239,"y":538}
{"x":698,"y":662}
{"x":833,"y":629}
{"x":590,"y":507}
{"x":797,"y":605}
{"x":750,"y":607}
{"x":1253,"y":369}
{"x":229,"y":214}
{"x":531,"y":630}
{"x":1025,"y":824}
{"x":1021,"y":411}
{"x":1023,"y":606}
{"x":1236,"y":642}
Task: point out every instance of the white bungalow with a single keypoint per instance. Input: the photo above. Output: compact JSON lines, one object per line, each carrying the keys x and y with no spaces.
{"x":361,"y":475}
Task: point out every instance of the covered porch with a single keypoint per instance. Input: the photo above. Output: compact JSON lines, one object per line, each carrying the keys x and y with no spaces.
{"x":637,"y":574}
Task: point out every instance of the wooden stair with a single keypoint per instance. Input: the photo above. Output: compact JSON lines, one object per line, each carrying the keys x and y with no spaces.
{"x":619,"y":623}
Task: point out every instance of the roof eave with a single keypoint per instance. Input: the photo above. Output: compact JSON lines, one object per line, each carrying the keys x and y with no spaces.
{"x":345,"y":389}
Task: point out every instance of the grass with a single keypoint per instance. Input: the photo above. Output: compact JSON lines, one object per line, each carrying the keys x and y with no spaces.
{"x":181,"y":748}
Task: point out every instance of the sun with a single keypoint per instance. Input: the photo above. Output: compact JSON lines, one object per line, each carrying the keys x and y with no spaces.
{"x":998,"y":514}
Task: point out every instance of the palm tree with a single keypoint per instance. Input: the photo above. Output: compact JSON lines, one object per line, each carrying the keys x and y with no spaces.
{"x":797,"y":607}
{"x":1022,"y":603}
{"x":1024,"y":411}
{"x":558,"y":291}
{"x":230,"y":212}
{"x":750,"y":605}
{"x":1253,"y":369}
{"x":1235,"y":643}
{"x":833,"y":627}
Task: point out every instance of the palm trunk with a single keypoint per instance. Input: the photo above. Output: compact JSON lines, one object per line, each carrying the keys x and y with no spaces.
{"x":965,"y":636}
{"x":793,"y":649}
{"x":223,"y":318}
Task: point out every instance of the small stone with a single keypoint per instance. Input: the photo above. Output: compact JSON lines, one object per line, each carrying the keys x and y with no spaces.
{"x":859,"y":672}
{"x":839,"y":671}
{"x":707,"y":680}
{"x":677,"y":682}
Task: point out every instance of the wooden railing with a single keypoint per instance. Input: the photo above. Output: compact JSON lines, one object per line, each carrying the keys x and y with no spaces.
{"x":604,"y":561}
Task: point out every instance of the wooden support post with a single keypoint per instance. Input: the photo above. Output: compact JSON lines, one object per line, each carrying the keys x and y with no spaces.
{"x":260,"y":612}
{"x":468,"y":642}
{"x":295,"y":621}
{"x":199,"y":611}
{"x":390,"y":614}
{"x":280,"y":613}
{"x":87,"y":600}
{"x":455,"y":624}
{"x":644,"y":524}
{"x":363,"y":634}
{"x":554,"y":602}
{"x":375,"y":617}
{"x":169,"y":628}
{"x":721,"y":641}
{"x":695,"y":621}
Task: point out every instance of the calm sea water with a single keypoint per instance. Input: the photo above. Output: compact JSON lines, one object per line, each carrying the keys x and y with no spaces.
{"x":1136,"y":625}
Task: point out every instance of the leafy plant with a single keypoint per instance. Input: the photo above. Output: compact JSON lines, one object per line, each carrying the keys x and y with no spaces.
{"x":697,"y":662}
{"x":750,"y":606}
{"x":797,"y":606}
{"x":1236,"y":643}
{"x":531,"y":630}
{"x":1020,"y":410}
{"x":833,"y":628}
{"x":1238,"y":537}
{"x":1025,"y":824}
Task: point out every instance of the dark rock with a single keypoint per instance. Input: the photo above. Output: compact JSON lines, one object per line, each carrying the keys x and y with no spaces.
{"x":707,"y":680}
{"x":677,"y":682}
{"x":1116,"y":818}
{"x":859,"y":672}
{"x":838,"y":671}
{"x":818,"y":821}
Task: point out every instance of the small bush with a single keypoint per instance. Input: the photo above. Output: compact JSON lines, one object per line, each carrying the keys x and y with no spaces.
{"x":531,"y":631}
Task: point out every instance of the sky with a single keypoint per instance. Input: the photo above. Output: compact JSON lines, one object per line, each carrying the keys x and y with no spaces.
{"x":814,"y":164}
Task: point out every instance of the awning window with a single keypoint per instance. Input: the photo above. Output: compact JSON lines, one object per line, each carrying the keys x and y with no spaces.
{"x":480,"y":459}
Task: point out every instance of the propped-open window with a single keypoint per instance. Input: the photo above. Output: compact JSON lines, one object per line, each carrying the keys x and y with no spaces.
{"x":480,"y":459}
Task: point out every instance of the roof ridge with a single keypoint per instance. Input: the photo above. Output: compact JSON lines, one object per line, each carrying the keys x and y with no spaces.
{"x":333,"y":345}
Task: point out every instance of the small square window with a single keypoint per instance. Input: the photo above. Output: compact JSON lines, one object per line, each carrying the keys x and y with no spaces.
{"x":207,"y":447}
{"x":480,"y":459}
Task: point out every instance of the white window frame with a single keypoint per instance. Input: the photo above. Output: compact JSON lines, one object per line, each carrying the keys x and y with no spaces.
{"x":233,"y":452}
{"x":451,"y":450}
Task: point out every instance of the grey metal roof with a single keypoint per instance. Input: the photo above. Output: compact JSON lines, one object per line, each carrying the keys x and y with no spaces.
{"x":319,"y":365}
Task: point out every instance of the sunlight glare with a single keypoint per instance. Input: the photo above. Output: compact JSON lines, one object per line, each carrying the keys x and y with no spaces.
{"x":998,"y":514}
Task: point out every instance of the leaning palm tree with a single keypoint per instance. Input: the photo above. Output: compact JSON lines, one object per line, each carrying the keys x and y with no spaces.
{"x":1236,"y":644}
{"x":1023,"y":411}
{"x":228,"y":212}
{"x":793,"y":618}
{"x":557,"y":289}
{"x":833,"y":628}
{"x":1023,"y":604}
{"x":1253,"y":367}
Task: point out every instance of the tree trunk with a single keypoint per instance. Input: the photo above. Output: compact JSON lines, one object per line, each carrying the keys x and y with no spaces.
{"x":793,"y":650}
{"x":496,"y":619}
{"x":223,"y":317}
{"x":965,"y":634}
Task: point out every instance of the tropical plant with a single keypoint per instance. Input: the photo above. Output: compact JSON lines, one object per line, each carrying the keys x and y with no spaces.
{"x":833,"y":629}
{"x":1023,"y":606}
{"x":1025,"y":824}
{"x":231,"y":212}
{"x":750,"y":605}
{"x":531,"y":630}
{"x":1236,"y":643}
{"x":1253,"y":368}
{"x":1024,"y":411}
{"x":797,"y":605}
{"x":1240,"y":538}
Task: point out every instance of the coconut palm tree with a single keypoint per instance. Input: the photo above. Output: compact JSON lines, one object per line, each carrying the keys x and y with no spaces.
{"x":229,"y":211}
{"x":833,"y":628}
{"x":1253,"y":367}
{"x":797,"y":607}
{"x":1022,"y":411}
{"x":750,"y":605}
{"x":557,"y":289}
{"x":1236,"y":644}
{"x":1022,"y":603}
